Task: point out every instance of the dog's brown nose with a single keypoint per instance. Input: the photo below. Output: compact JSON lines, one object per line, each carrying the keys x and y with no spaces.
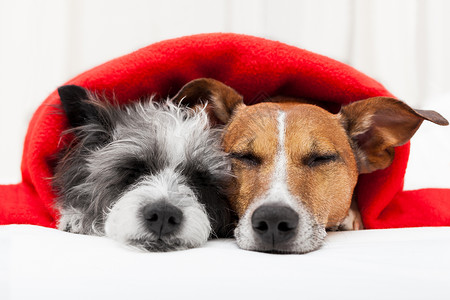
{"x":274,"y":224}
{"x":162,"y":218}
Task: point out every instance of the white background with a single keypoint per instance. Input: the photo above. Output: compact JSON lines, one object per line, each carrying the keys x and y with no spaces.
{"x":404,"y":44}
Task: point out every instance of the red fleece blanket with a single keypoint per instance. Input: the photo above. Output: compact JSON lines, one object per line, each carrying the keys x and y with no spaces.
{"x":254,"y":67}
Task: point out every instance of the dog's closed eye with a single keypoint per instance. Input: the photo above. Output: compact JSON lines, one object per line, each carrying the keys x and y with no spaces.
{"x":247,"y":158}
{"x":201,"y":178}
{"x":134,"y":170}
{"x":132,"y":176}
{"x":317,"y":159}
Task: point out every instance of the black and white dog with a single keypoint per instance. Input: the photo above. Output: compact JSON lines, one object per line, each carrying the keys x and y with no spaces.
{"x":147,"y":174}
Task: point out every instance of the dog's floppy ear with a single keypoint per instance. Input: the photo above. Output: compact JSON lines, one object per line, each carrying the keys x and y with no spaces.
{"x":377,"y":125}
{"x":222,"y":99}
{"x":79,"y":111}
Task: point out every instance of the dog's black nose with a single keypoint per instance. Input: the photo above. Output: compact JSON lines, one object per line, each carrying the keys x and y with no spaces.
{"x":162,"y":218}
{"x":274,"y":224}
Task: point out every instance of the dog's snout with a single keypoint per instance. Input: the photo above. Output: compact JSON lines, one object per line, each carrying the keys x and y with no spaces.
{"x":162,"y":218}
{"x":274,"y":224}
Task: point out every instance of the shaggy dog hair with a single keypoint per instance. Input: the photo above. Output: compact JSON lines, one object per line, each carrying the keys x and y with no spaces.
{"x":147,"y":174}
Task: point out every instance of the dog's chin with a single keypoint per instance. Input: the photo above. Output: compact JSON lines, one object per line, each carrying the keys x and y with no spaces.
{"x":160,"y":245}
{"x":283,"y":249}
{"x":189,"y":236}
{"x":304,"y":242}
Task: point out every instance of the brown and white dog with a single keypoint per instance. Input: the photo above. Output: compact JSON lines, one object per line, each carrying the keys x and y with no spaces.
{"x":296,"y":165}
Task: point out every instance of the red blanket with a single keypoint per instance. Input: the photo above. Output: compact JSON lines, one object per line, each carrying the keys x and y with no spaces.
{"x":254,"y":67}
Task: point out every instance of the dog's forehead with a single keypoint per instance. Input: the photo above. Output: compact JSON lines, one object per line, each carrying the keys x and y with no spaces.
{"x":169,"y":133}
{"x":306,"y":126}
{"x":308,"y":116}
{"x":250,"y":125}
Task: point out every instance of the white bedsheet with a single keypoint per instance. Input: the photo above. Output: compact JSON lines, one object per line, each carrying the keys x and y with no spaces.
{"x":42,"y":263}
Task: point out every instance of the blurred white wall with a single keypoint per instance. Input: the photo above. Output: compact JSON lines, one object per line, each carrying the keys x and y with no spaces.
{"x":404,"y":44}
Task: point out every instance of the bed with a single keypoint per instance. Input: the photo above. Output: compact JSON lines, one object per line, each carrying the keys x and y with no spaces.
{"x":44,"y":263}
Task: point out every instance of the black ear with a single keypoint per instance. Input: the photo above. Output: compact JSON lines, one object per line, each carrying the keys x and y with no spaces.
{"x":79,"y":111}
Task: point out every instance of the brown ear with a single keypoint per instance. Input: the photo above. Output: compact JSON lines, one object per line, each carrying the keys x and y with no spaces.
{"x":222,"y":99}
{"x":377,"y":125}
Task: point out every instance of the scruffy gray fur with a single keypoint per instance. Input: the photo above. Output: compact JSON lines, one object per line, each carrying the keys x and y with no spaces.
{"x":124,"y":158}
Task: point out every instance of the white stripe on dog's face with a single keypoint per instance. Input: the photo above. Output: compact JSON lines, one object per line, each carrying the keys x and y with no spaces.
{"x":279,"y":192}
